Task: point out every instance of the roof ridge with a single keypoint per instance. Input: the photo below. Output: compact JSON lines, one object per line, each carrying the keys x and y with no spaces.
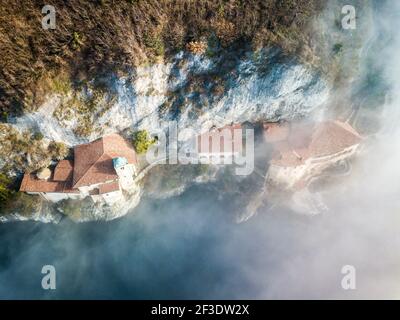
{"x":346,"y":126}
{"x":102,"y":153}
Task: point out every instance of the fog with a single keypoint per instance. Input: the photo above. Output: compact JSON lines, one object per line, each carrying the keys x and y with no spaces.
{"x":189,"y":246}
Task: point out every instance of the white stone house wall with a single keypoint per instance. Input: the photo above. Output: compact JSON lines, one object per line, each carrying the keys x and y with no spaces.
{"x":125,"y":174}
{"x":57,"y":196}
{"x":112,"y":197}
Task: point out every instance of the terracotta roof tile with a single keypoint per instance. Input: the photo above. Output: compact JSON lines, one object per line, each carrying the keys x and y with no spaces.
{"x":92,"y":164}
{"x":63,"y":170}
{"x":30,"y":183}
{"x":93,"y":161}
{"x":108,"y":187}
{"x":310,"y":140}
{"x":274,"y":131}
{"x":332,"y":137}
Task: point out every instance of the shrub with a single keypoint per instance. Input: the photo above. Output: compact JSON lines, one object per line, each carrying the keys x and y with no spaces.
{"x":337,"y":48}
{"x":23,"y":203}
{"x":77,"y":40}
{"x":155,"y":44}
{"x":38,"y":136}
{"x":61,"y":84}
{"x":75,"y":209}
{"x":5,"y":190}
{"x":19,"y":202}
{"x":197,"y":47}
{"x":225,"y":30}
{"x":84,"y":128}
{"x":142,"y":141}
{"x":4,"y":116}
{"x":58,"y":150}
{"x":70,"y":208}
{"x":26,"y":151}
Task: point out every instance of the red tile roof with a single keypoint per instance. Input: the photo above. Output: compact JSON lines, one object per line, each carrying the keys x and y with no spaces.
{"x":216,"y":140}
{"x":310,"y":140}
{"x":92,"y":165}
{"x":275,"y":131}
{"x":332,"y":137}
{"x":63,"y":170}
{"x":30,"y":183}
{"x":108,"y":187}
{"x":93,"y":161}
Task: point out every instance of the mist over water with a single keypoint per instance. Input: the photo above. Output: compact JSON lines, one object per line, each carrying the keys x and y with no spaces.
{"x":186,"y":248}
{"x":189,"y":246}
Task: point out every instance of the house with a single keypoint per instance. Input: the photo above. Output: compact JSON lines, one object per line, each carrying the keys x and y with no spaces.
{"x":100,"y":169}
{"x":220,"y":146}
{"x":301,"y":151}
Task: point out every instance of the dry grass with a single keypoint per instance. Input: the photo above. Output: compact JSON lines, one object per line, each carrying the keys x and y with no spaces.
{"x":98,"y":36}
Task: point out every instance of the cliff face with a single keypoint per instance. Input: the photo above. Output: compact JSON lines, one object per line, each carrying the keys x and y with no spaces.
{"x":254,"y":88}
